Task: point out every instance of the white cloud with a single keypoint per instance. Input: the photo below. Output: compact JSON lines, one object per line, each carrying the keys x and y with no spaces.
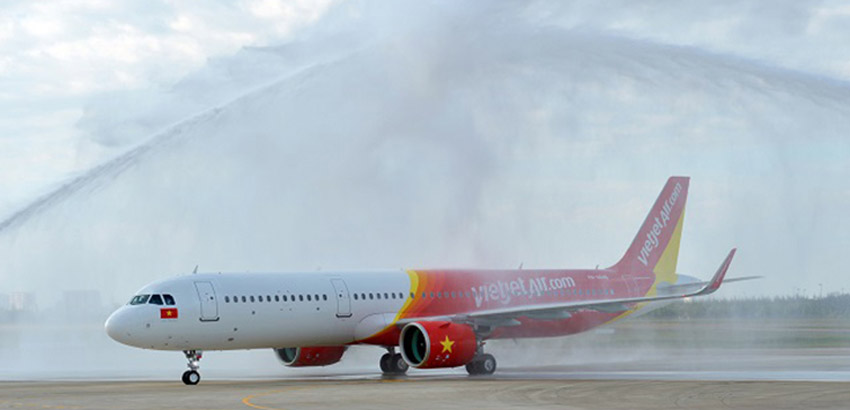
{"x":54,"y":56}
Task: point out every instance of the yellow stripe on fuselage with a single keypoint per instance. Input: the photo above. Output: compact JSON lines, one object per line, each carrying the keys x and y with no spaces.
{"x":414,"y":287}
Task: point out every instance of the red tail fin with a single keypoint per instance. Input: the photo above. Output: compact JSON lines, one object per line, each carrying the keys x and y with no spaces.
{"x":656,"y":246}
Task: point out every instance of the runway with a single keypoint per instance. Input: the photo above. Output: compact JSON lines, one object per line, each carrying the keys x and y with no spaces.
{"x":639,"y":365}
{"x":427,"y":393}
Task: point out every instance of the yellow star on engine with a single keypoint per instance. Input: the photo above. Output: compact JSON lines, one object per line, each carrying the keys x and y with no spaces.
{"x":447,"y":344}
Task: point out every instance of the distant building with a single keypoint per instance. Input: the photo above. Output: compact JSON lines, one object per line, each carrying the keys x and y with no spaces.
{"x":22,"y":302}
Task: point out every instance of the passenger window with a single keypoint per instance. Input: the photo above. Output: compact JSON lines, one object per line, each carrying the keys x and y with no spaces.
{"x":316,"y":297}
{"x":378,"y":296}
{"x":252,"y":298}
{"x":284,"y":298}
{"x":355,"y":296}
{"x":363,"y":296}
{"x":155,"y":300}
{"x":227,"y":299}
{"x":268,"y":298}
{"x":386,"y":296}
{"x":432,"y":295}
{"x":324,"y":297}
{"x":300,"y":298}
{"x":412,"y":296}
{"x":439,"y":295}
{"x":236,"y":299}
{"x":392,"y":295}
{"x":276,"y":298}
{"x":371,"y":296}
{"x":243,"y":299}
{"x":424,"y":295}
{"x":308,"y":298}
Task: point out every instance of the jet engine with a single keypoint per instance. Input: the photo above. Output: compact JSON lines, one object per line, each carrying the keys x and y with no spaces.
{"x":437,"y":344}
{"x":310,"y":356}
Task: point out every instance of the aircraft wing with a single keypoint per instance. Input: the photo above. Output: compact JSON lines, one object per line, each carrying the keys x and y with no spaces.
{"x":685,"y":287}
{"x":552,"y":311}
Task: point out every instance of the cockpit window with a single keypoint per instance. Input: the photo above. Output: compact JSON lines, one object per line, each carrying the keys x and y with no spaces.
{"x":169,"y":300}
{"x":155,"y":300}
{"x":139,"y":299}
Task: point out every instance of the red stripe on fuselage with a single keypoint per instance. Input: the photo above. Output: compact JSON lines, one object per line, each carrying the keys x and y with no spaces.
{"x":453,"y":292}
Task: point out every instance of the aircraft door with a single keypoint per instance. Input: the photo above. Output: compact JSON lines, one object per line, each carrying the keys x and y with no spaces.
{"x":209,"y":303}
{"x":343,"y":300}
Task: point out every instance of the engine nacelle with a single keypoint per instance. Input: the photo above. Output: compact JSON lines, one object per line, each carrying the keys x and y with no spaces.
{"x":310,"y":356}
{"x":437,"y":344}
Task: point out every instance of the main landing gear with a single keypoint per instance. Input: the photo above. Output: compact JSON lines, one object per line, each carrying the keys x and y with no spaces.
{"x":191,"y":377}
{"x":482,"y":364}
{"x":392,"y":363}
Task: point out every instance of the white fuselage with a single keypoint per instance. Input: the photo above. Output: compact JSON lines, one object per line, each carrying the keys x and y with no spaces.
{"x":212,"y":320}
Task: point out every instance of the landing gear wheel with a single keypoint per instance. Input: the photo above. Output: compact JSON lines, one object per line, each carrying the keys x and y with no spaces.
{"x":393,"y":363}
{"x":191,"y":377}
{"x":487,"y":365}
{"x":397,"y":364}
{"x":482,"y":365}
{"x":385,"y":363}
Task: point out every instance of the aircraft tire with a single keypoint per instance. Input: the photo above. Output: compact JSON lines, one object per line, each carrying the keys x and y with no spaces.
{"x":191,"y":377}
{"x":386,"y":359}
{"x":397,"y":364}
{"x":487,"y":365}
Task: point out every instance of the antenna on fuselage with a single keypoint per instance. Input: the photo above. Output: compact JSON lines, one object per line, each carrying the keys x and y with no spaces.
{"x":195,"y":271}
{"x":520,"y":266}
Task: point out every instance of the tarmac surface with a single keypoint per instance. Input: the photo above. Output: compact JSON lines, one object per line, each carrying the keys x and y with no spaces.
{"x":428,"y":393}
{"x":639,"y":365}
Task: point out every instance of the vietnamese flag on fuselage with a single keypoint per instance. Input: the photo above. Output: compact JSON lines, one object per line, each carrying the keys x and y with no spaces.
{"x":168,"y":313}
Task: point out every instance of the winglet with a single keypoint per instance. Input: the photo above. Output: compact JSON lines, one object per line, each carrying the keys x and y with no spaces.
{"x":717,"y":280}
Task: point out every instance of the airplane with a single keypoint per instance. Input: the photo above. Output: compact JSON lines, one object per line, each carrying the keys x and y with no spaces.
{"x":424,"y":318}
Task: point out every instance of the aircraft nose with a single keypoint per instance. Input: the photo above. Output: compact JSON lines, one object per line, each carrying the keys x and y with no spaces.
{"x":118,"y":326}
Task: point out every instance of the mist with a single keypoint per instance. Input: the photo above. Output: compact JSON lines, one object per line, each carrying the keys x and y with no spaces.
{"x":439,"y":134}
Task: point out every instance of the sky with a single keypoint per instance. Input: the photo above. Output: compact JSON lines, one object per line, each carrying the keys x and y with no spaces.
{"x":139,"y":139}
{"x":59,"y":56}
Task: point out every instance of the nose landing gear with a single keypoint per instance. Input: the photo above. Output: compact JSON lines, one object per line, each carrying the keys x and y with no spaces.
{"x":191,"y":377}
